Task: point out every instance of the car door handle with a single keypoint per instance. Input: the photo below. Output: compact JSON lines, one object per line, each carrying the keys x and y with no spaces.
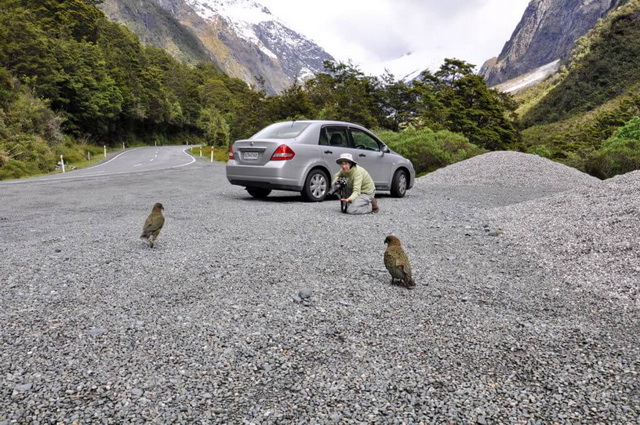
{"x":328,"y":152}
{"x":362,"y":155}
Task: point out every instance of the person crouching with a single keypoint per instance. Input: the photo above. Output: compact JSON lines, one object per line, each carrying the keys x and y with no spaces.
{"x":360,"y":184}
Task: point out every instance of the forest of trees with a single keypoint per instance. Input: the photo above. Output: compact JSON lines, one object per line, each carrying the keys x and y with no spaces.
{"x":72,"y":81}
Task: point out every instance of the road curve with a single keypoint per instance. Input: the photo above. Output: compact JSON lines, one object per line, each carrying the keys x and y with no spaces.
{"x":134,"y":160}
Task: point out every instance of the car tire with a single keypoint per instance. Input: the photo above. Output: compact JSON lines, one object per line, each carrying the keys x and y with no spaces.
{"x":258,"y":192}
{"x":316,"y":186}
{"x":399,"y":184}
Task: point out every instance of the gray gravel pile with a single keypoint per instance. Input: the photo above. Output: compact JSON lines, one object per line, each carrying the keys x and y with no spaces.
{"x":278,"y":311}
{"x":589,"y":237}
{"x":511,"y":169}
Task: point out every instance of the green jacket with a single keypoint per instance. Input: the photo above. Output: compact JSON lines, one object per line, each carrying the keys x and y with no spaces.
{"x":358,"y":180}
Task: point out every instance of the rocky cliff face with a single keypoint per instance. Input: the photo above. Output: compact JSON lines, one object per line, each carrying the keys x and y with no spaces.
{"x":547,"y":32}
{"x":240,"y":37}
{"x":157,"y":27}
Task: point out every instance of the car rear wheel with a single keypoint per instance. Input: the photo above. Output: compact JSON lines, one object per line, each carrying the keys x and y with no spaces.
{"x":399,"y":184}
{"x":258,"y":192}
{"x":316,"y":186}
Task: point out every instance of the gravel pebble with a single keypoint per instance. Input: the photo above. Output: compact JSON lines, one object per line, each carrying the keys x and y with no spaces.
{"x":278,"y":311}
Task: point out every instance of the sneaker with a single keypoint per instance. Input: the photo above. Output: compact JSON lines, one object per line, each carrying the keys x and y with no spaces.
{"x":374,"y":206}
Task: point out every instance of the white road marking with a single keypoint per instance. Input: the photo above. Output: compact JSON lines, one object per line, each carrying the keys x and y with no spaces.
{"x":106,"y":162}
{"x":193,"y":159}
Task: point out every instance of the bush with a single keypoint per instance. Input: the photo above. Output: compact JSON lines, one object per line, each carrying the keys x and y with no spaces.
{"x":24,"y":155}
{"x":33,"y":149}
{"x":429,"y":150}
{"x":71,"y":152}
{"x":620,"y":153}
{"x":14,"y":169}
{"x":541,"y":150}
{"x":630,"y":131}
{"x":30,"y":115}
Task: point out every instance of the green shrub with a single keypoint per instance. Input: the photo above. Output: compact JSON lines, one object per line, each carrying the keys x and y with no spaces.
{"x":15,"y":169}
{"x":30,"y":115}
{"x":630,"y":131}
{"x":38,"y":151}
{"x":541,"y":150}
{"x":429,"y":150}
{"x":620,"y":153}
{"x":72,"y":153}
{"x":26,"y":154}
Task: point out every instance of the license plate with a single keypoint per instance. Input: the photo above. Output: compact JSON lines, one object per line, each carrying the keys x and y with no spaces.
{"x":250,"y":155}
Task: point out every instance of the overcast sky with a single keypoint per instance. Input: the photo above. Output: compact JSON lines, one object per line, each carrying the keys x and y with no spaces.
{"x":403,"y":35}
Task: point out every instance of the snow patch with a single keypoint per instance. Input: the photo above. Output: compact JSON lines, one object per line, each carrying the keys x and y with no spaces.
{"x":531,"y":78}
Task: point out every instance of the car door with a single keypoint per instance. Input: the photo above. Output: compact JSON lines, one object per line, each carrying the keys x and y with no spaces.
{"x":367,"y":151}
{"x":334,"y":141}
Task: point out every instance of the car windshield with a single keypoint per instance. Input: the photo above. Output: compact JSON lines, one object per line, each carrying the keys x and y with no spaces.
{"x":282,"y":130}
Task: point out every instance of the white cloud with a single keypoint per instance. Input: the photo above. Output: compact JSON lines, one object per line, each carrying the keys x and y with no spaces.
{"x":379,"y":34}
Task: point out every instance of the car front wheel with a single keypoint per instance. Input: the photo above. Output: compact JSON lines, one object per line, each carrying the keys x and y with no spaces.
{"x":315,"y":186}
{"x":399,"y":184}
{"x":258,"y":192}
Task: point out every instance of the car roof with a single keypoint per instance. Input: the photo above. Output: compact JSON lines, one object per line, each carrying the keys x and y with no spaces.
{"x":325,"y":122}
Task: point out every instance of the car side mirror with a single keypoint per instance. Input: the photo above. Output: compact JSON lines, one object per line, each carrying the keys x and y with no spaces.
{"x":385,"y":149}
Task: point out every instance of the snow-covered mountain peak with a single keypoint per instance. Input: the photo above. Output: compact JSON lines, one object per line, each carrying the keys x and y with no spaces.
{"x":242,"y":15}
{"x":254,"y":23}
{"x":246,"y":11}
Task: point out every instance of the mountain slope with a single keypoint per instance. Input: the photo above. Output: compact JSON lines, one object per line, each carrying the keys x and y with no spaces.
{"x":158,"y":27}
{"x":570,"y":116}
{"x":547,"y":32}
{"x":605,"y":66}
{"x":241,"y":37}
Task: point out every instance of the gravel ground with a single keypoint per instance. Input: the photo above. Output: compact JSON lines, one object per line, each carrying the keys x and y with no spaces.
{"x":279,"y":311}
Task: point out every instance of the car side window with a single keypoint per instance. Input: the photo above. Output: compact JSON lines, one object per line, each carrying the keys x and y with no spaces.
{"x":363,"y":140}
{"x":337,"y":136}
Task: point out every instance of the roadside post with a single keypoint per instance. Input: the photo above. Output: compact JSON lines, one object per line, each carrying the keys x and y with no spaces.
{"x":105,"y":150}
{"x":62,"y":163}
{"x":212,"y":151}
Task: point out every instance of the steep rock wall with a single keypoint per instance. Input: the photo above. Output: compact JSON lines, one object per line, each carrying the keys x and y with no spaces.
{"x":547,"y":32}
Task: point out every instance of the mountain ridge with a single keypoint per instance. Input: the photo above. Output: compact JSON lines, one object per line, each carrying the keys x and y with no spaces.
{"x":240,"y":37}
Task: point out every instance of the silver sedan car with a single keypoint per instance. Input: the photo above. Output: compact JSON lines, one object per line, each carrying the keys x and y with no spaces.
{"x":301,"y":156}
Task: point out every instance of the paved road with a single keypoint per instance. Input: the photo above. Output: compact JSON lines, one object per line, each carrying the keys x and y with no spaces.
{"x":134,"y":160}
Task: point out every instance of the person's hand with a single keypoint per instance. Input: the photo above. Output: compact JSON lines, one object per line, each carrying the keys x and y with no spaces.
{"x":345,"y":200}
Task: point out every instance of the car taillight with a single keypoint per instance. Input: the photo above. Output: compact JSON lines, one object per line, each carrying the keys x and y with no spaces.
{"x":282,"y":153}
{"x":231,"y":155}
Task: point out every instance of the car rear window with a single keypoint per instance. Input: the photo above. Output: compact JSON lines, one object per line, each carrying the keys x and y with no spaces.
{"x":281,"y":130}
